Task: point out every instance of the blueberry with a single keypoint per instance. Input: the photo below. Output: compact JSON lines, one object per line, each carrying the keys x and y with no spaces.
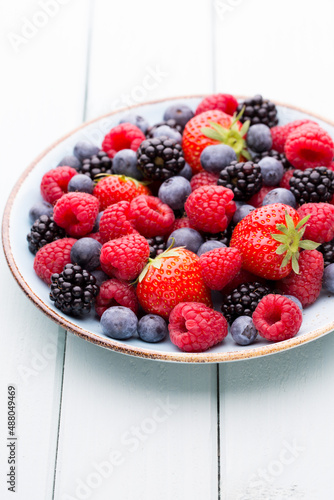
{"x":181,"y":113}
{"x":215,"y":158}
{"x":119,"y":323}
{"x":186,"y":172}
{"x":152,"y":328}
{"x":137,"y":120}
{"x":100,"y":276}
{"x":243,"y":330}
{"x":38,"y":209}
{"x":328,"y":278}
{"x":280,"y":195}
{"x":82,"y":183}
{"x":125,"y":163}
{"x":96,"y":227}
{"x":86,"y":253}
{"x":174,"y":192}
{"x":70,"y":161}
{"x":295,"y":300}
{"x":186,"y":237}
{"x":272,"y":171}
{"x":259,"y":138}
{"x":83,"y":150}
{"x":171,"y":133}
{"x":209,"y":245}
{"x":241,"y":212}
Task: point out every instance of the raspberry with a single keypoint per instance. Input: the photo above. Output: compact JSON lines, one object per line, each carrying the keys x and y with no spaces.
{"x":210,"y":208}
{"x":115,"y":222}
{"x":178,"y":224}
{"x":285,"y":181}
{"x":150,"y":216}
{"x":320,"y":226}
{"x":96,"y":236}
{"x":277,"y":318}
{"x":309,"y":146}
{"x":306,"y":285}
{"x":76,"y":213}
{"x":54,"y":183}
{"x":125,"y":258}
{"x":194,"y":327}
{"x":52,"y":258}
{"x":280,"y":134}
{"x":224,"y":102}
{"x":115,"y":188}
{"x":203,"y":179}
{"x":220,"y":266}
{"x":123,"y":136}
{"x":257,"y":198}
{"x":114,"y":292}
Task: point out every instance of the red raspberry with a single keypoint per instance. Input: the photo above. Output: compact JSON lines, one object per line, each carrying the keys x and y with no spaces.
{"x":220,"y":266}
{"x":54,"y":183}
{"x":76,"y":213}
{"x":123,"y":136}
{"x":309,"y":146}
{"x":320,"y":226}
{"x":281,"y":132}
{"x":150,"y":216}
{"x":210,"y":208}
{"x":177,"y":224}
{"x":125,"y":258}
{"x":115,"y":188}
{"x":116,"y":293}
{"x":203,"y":179}
{"x":277,"y":318}
{"x":286,"y":178}
{"x":52,"y":258}
{"x":115,"y":222}
{"x":223,"y":102}
{"x":194,"y":327}
{"x":96,"y":236}
{"x":257,"y":198}
{"x":307,"y":284}
{"x":331,"y":166}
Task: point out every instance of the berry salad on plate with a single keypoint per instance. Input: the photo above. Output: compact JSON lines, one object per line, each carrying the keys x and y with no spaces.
{"x":196,"y":229}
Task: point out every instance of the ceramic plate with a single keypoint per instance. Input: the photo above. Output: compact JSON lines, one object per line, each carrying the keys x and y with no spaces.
{"x":318,"y":319}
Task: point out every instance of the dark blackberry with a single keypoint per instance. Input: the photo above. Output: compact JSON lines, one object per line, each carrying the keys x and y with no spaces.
{"x":44,"y":230}
{"x":96,"y":165}
{"x":242,"y":301}
{"x":312,"y":185}
{"x":274,"y":154}
{"x":73,"y":290}
{"x":157,"y":246}
{"x":258,"y":110}
{"x":223,"y":237}
{"x":160,"y":158}
{"x":327,"y":250}
{"x":243,"y":178}
{"x":170,"y":123}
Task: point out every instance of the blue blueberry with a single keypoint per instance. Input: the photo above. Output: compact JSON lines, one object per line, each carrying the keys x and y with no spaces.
{"x":295,"y":300}
{"x":96,"y":227}
{"x":186,"y":237}
{"x":38,"y":209}
{"x":174,"y":192}
{"x":136,"y":120}
{"x":272,"y":171}
{"x":125,"y":163}
{"x":166,"y":131}
{"x":241,"y":212}
{"x":209,"y":245}
{"x":70,"y":161}
{"x":83,"y":150}
{"x":186,"y":172}
{"x":328,"y":278}
{"x":215,"y":158}
{"x":152,"y":328}
{"x":181,"y":113}
{"x":280,"y":195}
{"x":243,"y":330}
{"x":119,"y":323}
{"x":100,"y":276}
{"x":82,"y":183}
{"x":86,"y":253}
{"x":259,"y":138}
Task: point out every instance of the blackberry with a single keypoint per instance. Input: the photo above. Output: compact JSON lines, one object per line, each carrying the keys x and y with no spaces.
{"x":73,"y":290}
{"x":258,"y":110}
{"x":327,"y":250}
{"x":157,"y":246}
{"x":44,"y":230}
{"x":96,"y":165}
{"x":243,"y":178}
{"x":312,"y":185}
{"x":170,"y":123}
{"x":160,"y":158}
{"x":243,"y":300}
{"x":274,"y":154}
{"x":223,"y":237}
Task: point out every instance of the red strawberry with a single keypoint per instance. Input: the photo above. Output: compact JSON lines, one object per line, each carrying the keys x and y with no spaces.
{"x":115,"y":188}
{"x":172,"y":277}
{"x":220,"y":266}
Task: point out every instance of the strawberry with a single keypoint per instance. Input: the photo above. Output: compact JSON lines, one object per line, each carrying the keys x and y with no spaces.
{"x":269,"y":239}
{"x":114,"y":188}
{"x":172,"y":277}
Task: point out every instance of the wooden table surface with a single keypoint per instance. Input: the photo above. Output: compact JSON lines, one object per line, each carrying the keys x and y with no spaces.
{"x":94,"y":424}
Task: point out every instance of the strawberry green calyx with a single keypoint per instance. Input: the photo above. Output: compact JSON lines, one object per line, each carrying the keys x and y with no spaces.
{"x":291,"y":241}
{"x":157,"y":261}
